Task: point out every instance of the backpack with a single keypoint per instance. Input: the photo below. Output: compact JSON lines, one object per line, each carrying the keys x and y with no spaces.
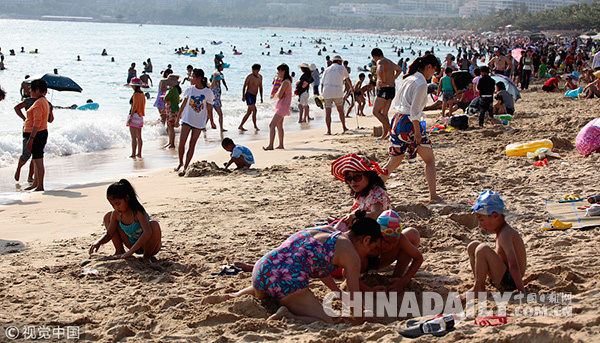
{"x":460,"y":121}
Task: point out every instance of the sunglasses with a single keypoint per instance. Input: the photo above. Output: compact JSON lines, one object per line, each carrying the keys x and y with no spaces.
{"x":355,"y":178}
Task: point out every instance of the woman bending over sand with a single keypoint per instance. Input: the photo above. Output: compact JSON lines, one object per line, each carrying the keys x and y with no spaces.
{"x":284,"y":273}
{"x":129,"y":225}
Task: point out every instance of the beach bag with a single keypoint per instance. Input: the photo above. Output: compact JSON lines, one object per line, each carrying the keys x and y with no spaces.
{"x":460,"y":121}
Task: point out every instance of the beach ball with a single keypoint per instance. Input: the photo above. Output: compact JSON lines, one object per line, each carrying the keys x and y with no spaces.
{"x":588,"y":139}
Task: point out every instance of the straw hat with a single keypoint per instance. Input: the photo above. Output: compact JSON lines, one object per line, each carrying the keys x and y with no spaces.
{"x":597,"y":74}
{"x":336,"y":58}
{"x":304,"y":65}
{"x":354,"y":163}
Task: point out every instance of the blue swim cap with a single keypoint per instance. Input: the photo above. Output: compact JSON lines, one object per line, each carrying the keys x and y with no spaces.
{"x":489,"y":203}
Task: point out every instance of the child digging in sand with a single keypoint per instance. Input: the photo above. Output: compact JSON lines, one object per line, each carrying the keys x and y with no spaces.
{"x":506,"y":264}
{"x":140,"y":234}
{"x":240,"y":155}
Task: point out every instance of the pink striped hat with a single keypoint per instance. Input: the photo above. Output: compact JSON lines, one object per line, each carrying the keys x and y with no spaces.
{"x":354,"y":163}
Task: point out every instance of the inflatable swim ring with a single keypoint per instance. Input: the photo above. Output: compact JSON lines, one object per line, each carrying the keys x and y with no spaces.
{"x":89,"y":107}
{"x":588,"y":139}
{"x":521,"y":149}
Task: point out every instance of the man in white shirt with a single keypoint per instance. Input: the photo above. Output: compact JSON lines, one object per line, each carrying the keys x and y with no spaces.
{"x":332,"y":88}
{"x":596,"y":61}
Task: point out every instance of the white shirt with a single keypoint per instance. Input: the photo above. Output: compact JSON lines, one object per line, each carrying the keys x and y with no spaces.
{"x":596,"y":60}
{"x":333,"y":81}
{"x":412,"y":96}
{"x":194,"y":113}
{"x":452,"y":65}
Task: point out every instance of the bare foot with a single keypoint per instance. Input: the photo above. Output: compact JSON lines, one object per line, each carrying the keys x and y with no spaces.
{"x":147,"y":260}
{"x":215,"y":299}
{"x":256,"y":129}
{"x":281,"y":313}
{"x":178,"y":167}
{"x":309,"y":118}
{"x":181,"y":173}
{"x":242,"y":129}
{"x":301,"y":121}
{"x":30,"y":180}
{"x":139,"y":155}
{"x":280,"y":147}
{"x":345,"y":130}
{"x":30,"y":187}
{"x":245,"y":267}
{"x":223,"y":130}
{"x":328,"y":133}
{"x":436,"y":200}
{"x":132,"y":156}
{"x":213,"y":126}
{"x":268,"y":148}
{"x":18,"y":174}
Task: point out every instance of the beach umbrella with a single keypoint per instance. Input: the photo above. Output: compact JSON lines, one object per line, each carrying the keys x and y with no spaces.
{"x":462,"y":79}
{"x":59,"y":83}
{"x":517,"y":53}
{"x":510,"y":86}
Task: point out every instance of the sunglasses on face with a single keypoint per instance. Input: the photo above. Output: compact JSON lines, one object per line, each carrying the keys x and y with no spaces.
{"x":355,"y":178}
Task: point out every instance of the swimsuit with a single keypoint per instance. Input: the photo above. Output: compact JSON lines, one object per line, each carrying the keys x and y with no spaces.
{"x":288,"y":268}
{"x":217,"y":96}
{"x":507,"y":283}
{"x":387,"y":93}
{"x":133,"y":231}
{"x":250,"y":99}
{"x":402,"y":137}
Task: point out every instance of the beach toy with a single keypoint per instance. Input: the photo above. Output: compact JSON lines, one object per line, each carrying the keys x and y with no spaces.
{"x":89,"y":107}
{"x":276,"y":85}
{"x":506,"y":117}
{"x":574,"y":93}
{"x":521,"y":149}
{"x":226,"y":65}
{"x":570,"y":198}
{"x":588,"y":139}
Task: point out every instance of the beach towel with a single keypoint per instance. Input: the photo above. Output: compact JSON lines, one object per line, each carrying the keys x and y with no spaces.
{"x":567,"y":212}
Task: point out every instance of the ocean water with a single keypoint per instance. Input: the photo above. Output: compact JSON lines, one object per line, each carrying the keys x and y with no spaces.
{"x":93,"y":145}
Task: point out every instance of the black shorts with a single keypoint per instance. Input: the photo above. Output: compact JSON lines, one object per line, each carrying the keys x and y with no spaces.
{"x":507,"y":283}
{"x":548,"y":88}
{"x":39,"y":143}
{"x":579,"y":63}
{"x":387,"y":93}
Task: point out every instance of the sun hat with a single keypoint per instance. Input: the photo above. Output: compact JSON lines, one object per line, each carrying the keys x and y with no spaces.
{"x":489,"y":203}
{"x":135,"y":82}
{"x":313,"y":67}
{"x":354,"y":163}
{"x":449,"y":56}
{"x":336,"y":58}
{"x":304,"y":65}
{"x":597,"y":74}
{"x":389,"y":221}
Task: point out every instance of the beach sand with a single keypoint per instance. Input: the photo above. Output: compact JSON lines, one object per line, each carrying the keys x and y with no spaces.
{"x":218,"y":218}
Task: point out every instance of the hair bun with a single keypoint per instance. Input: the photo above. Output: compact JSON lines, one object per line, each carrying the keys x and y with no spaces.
{"x":360,"y":214}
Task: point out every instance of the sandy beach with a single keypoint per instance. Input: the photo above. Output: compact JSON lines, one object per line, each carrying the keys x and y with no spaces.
{"x":217,"y":218}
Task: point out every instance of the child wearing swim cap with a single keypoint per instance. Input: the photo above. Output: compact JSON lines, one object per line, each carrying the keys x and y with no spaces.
{"x":505,"y":265}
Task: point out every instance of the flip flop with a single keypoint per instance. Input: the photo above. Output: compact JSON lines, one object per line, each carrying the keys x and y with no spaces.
{"x":487,"y":321}
{"x":414,"y":329}
{"x":233,"y":270}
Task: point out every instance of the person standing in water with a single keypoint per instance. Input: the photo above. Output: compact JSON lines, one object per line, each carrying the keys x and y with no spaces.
{"x":216,"y":79}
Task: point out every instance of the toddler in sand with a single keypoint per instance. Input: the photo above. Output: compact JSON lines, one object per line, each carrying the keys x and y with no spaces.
{"x":139,"y":235}
{"x":506,"y":264}
{"x":240,"y":155}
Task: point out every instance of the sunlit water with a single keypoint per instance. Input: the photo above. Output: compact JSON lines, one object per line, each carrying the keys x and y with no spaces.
{"x":85,"y":146}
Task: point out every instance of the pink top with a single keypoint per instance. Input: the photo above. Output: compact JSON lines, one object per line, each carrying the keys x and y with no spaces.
{"x":376,"y":196}
{"x":282,"y":105}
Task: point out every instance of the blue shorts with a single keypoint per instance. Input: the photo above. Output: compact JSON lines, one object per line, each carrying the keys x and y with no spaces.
{"x":250,"y":99}
{"x":448,"y":96}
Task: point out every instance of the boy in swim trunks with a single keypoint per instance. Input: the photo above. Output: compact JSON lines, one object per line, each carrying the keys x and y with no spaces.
{"x":506,"y":264}
{"x":387,"y":73}
{"x":252,"y":86}
{"x":240,"y":155}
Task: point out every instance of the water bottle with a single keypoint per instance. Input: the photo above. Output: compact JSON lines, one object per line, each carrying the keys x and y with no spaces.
{"x":443,"y":323}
